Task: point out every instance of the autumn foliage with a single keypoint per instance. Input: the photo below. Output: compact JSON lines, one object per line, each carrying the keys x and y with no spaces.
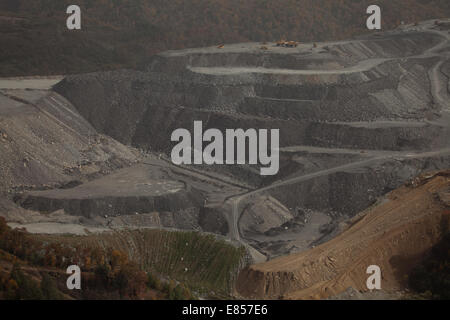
{"x":107,"y":273}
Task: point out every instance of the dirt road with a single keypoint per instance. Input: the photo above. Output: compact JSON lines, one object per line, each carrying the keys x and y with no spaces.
{"x":37,"y":83}
{"x":236,"y":200}
{"x":438,"y":90}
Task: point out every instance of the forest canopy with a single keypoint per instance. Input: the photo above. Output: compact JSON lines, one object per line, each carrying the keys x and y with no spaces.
{"x":124,"y":33}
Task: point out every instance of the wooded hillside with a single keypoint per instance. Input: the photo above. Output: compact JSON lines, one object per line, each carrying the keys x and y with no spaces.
{"x":124,"y":33}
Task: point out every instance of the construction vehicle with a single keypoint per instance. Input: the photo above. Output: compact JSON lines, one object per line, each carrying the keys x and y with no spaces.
{"x":291,"y":44}
{"x":287,"y":44}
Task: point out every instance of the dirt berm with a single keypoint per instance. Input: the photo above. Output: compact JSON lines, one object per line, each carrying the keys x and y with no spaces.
{"x":395,"y":235}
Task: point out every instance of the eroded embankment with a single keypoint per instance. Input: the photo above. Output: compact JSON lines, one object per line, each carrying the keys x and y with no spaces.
{"x":393,"y":235}
{"x":45,"y":142}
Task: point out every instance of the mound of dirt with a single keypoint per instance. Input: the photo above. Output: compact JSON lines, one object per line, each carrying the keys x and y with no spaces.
{"x":45,"y":142}
{"x":394,"y":235}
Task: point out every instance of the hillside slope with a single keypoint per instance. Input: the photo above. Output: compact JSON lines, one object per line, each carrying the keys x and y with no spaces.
{"x":44,"y":141}
{"x":394,"y":235}
{"x":134,"y":264}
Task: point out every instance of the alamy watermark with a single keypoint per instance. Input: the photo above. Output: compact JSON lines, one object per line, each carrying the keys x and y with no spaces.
{"x":74,"y":280}
{"x":374,"y":20}
{"x":73,"y":22}
{"x":374,"y":281}
{"x":192,"y":150}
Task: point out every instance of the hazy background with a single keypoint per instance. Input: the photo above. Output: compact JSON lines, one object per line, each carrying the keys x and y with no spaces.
{"x":124,"y":33}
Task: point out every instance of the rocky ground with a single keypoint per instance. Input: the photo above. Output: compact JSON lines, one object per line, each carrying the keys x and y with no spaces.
{"x":357,"y":119}
{"x":394,"y":235}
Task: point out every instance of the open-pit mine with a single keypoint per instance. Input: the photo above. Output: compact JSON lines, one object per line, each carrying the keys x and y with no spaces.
{"x":364,"y":153}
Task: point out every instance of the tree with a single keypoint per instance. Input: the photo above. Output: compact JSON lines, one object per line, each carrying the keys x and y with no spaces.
{"x":118,"y":258}
{"x":49,"y":289}
{"x":153,"y":281}
{"x":28,"y":289}
{"x":130,"y":280}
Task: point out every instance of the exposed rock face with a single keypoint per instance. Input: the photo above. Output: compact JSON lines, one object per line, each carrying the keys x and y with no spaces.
{"x":393,"y":235}
{"x":371,"y":93}
{"x":351,"y":190}
{"x":45,"y":142}
{"x":265,"y":214}
{"x":357,"y":119}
